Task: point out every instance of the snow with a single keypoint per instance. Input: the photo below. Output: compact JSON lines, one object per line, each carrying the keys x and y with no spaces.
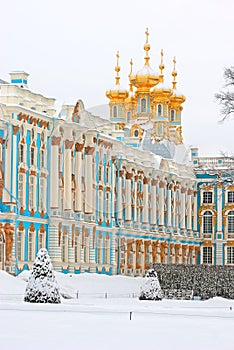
{"x":95,"y":322}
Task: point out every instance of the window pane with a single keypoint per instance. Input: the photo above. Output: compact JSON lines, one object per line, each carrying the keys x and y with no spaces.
{"x":207,"y":255}
{"x":231,"y":197}
{"x":230,"y":255}
{"x":207,"y":197}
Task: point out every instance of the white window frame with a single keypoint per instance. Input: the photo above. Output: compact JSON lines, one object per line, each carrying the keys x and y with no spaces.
{"x":32,"y":180}
{"x":207,"y":197}
{"x":230,"y":195}
{"x":207,"y":255}
{"x":22,"y":189}
{"x":31,"y":245}
{"x":64,"y":247}
{"x":20,"y":245}
{"x":207,"y":222}
{"x":230,"y":222}
{"x":42,"y":193}
{"x":230,"y":255}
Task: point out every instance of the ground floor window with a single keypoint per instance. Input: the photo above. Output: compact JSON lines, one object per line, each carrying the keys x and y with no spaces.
{"x":207,"y":255}
{"x":230,"y":255}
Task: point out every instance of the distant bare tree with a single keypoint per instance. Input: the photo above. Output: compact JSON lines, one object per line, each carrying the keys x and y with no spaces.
{"x":226,"y":97}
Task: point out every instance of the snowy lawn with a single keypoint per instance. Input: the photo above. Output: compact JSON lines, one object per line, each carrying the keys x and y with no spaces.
{"x":95,"y":322}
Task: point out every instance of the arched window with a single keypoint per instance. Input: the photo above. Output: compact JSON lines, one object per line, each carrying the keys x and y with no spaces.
{"x":231,"y":221}
{"x":159,"y":110}
{"x":172,"y":115}
{"x":143,"y":105}
{"x":207,"y":222}
{"x":136,"y":133}
{"x":115,"y":111}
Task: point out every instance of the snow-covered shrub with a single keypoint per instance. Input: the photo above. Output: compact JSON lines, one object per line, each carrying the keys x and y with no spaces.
{"x":42,"y":286}
{"x":151,"y":289}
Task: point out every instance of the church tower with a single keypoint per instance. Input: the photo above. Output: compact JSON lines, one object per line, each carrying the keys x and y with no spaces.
{"x":117,"y":96}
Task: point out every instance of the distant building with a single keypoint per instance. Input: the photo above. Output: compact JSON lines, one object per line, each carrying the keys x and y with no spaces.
{"x":107,"y":196}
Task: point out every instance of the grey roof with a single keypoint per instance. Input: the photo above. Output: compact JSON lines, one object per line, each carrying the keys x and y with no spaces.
{"x":3,"y":82}
{"x":156,"y":148}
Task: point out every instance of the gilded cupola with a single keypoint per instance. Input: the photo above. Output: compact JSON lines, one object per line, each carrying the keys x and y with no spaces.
{"x":117,"y":93}
{"x":145,"y":78}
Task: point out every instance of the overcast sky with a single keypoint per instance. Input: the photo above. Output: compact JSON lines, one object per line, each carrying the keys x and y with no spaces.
{"x":69,"y":48}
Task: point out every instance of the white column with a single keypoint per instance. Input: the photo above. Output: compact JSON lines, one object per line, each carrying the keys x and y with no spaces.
{"x":128,"y":197}
{"x":78,"y":175}
{"x":182,"y":216}
{"x":14,"y":162}
{"x":169,"y":206}
{"x":54,"y":178}
{"x":153,"y":202}
{"x":113,"y":169}
{"x":190,"y":192}
{"x":119,"y":196}
{"x":145,"y":211}
{"x":219,"y":207}
{"x":161,"y":203}
{"x":9,"y":151}
{"x":135,"y":198}
{"x":67,"y":176}
{"x":89,"y":180}
{"x":195,"y":217}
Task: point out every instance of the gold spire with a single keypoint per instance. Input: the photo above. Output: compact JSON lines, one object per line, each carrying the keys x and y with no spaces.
{"x":130,"y":85}
{"x":147,"y":48}
{"x":161,"y":67}
{"x":117,"y":69}
{"x":174,"y":74}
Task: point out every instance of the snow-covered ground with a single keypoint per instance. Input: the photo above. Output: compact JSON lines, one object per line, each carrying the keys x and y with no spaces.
{"x":100,"y":318}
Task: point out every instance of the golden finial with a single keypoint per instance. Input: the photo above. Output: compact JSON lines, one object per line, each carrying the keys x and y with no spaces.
{"x":130,"y":85}
{"x":174,"y":74}
{"x":117,"y":69}
{"x":147,"y":47}
{"x":161,"y":67}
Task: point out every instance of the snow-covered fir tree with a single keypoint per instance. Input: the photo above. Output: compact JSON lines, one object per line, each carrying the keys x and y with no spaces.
{"x":151,"y":289}
{"x":42,"y":286}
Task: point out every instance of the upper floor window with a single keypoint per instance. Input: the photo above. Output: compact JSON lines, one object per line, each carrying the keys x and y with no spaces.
{"x":159,"y":110}
{"x":21,"y":153}
{"x":231,"y":221}
{"x":230,"y":196}
{"x":207,"y":197}
{"x":128,"y":116}
{"x":42,"y":158}
{"x":143,"y":105}
{"x":136,"y":133}
{"x":207,"y":222}
{"x":115,"y":111}
{"x":32,"y":156}
{"x":172,"y":115}
{"x":21,"y":189}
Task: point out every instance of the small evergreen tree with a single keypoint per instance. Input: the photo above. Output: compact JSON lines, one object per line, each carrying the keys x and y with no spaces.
{"x":42,"y":286}
{"x":151,"y":289}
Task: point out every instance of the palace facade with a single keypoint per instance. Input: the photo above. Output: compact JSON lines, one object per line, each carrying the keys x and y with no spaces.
{"x":109,"y":195}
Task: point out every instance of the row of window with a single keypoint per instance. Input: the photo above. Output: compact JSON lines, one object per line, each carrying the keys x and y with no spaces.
{"x":208,"y":222}
{"x":20,"y":244}
{"x":208,"y":255}
{"x":33,"y":156}
{"x":32,"y":192}
{"x":143,"y":109}
{"x":208,"y":197}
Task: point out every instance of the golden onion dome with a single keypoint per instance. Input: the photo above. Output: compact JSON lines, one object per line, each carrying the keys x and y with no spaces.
{"x":117,"y":92}
{"x":162,"y":90}
{"x":145,"y":78}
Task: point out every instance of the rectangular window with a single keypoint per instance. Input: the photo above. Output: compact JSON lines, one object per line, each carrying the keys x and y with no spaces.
{"x":21,"y":189}
{"x":42,"y":158}
{"x":41,"y":241}
{"x":20,"y":236}
{"x":230,"y":223}
{"x":31,"y":192}
{"x":207,"y":224}
{"x":32,"y":156}
{"x":100,"y":173}
{"x":30,"y":246}
{"x":230,"y":196}
{"x":207,"y":255}
{"x":230,"y":255}
{"x":76,"y":247}
{"x":207,"y":197}
{"x":21,"y":153}
{"x":42,"y":194}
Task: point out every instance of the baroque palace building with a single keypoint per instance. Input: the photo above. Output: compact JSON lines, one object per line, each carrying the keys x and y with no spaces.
{"x":110,"y":195}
